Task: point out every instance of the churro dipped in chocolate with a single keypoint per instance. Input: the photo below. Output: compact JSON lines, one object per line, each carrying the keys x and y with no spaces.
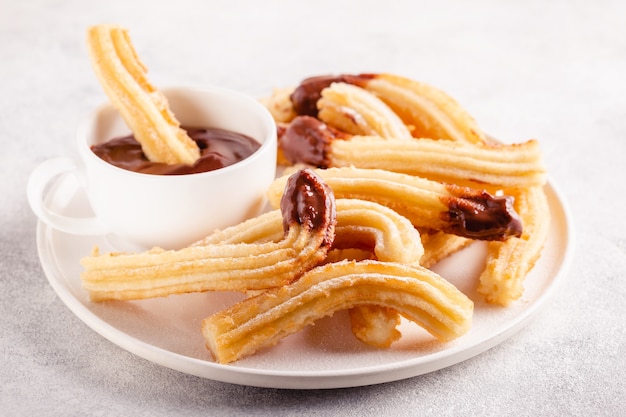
{"x":354,"y":110}
{"x":144,"y":109}
{"x":426,"y":111}
{"x":310,"y":141}
{"x":429,"y":205}
{"x":309,"y":216}
{"x":361,"y":224}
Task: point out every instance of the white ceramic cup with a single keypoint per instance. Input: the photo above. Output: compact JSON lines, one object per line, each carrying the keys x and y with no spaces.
{"x":169,"y":211}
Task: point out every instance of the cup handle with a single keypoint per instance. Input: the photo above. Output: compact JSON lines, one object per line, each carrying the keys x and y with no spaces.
{"x":39,"y":181}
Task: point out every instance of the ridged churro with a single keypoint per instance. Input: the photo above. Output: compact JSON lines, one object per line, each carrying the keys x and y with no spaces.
{"x":430,"y":111}
{"x":144,"y":109}
{"x":307,"y":140}
{"x":508,"y":263}
{"x":308,"y":220}
{"x":440,"y":245}
{"x":354,"y":110}
{"x":360,"y":225}
{"x":427,"y":111}
{"x":417,"y":293}
{"x":427,"y":204}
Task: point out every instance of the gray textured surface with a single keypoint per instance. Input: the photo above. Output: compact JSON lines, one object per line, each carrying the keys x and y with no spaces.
{"x":553,"y":70}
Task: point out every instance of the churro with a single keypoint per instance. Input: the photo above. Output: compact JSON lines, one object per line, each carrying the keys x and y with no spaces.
{"x":440,"y":245}
{"x":307,"y":140}
{"x":417,"y":293}
{"x":354,"y":110}
{"x":508,"y":263}
{"x":144,"y":109}
{"x":427,"y":111}
{"x":427,"y":204}
{"x":308,"y":219}
{"x":360,"y":224}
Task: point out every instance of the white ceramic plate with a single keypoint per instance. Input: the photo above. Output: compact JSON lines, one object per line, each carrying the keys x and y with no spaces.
{"x":326,"y":355}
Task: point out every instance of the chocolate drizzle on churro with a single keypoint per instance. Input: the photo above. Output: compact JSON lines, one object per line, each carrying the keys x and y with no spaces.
{"x":483,"y":216}
{"x":308,"y":201}
{"x":308,"y":140}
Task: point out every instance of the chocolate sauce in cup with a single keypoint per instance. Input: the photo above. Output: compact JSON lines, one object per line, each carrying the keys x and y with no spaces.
{"x":219,"y":148}
{"x":169,"y":211}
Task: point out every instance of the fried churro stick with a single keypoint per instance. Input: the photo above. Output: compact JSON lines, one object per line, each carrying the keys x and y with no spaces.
{"x":431,"y":112}
{"x":308,"y":209}
{"x":378,"y":229}
{"x":352,"y":109}
{"x":308,"y":140}
{"x":417,"y":293}
{"x":143,"y":108}
{"x":440,"y":245}
{"x":360,"y":225}
{"x":427,"y":111}
{"x":508,"y":263}
{"x":427,"y":204}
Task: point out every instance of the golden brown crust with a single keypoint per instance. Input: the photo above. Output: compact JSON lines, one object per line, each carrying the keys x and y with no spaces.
{"x":430,"y":111}
{"x":425,"y":110}
{"x":309,"y":140}
{"x":495,"y":166}
{"x":417,"y":293}
{"x":144,"y":109}
{"x":427,"y":204}
{"x":354,"y":110}
{"x":360,"y":224}
{"x":508,"y":263}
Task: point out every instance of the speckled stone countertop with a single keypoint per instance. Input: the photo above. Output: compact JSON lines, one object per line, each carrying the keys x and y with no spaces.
{"x":551,"y":70}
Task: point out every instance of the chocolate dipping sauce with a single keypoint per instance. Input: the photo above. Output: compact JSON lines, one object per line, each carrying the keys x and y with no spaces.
{"x":218,"y":149}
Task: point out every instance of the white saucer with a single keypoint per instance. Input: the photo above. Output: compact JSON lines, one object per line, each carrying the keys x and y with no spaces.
{"x":167,"y":330}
